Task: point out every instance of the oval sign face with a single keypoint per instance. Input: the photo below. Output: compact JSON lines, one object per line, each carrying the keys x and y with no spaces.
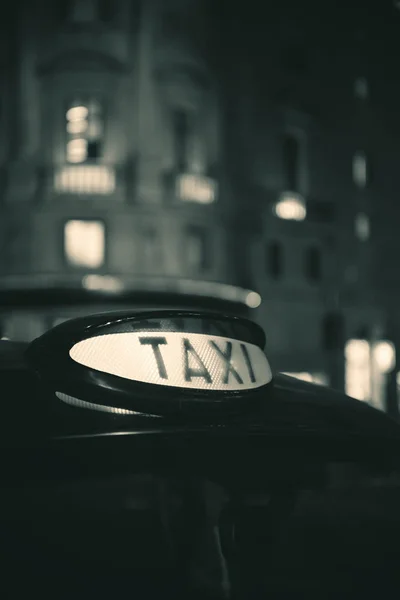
{"x":185,"y":360}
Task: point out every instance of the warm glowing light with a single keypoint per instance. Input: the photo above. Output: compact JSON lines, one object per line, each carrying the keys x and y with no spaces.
{"x":75,"y":127}
{"x":253,"y":300}
{"x":104,"y":283}
{"x":291,"y":207}
{"x":77,"y":150}
{"x":185,"y":360}
{"x":385,"y":356}
{"x":357,"y":351}
{"x":84,"y":243}
{"x":358,"y":369}
{"x":196,"y":188}
{"x":77,"y":113}
{"x":87,"y":179}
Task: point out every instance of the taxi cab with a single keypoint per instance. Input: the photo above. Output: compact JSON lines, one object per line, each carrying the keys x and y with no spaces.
{"x":155,"y":453}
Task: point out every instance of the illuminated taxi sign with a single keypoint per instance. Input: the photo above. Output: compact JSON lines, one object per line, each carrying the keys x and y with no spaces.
{"x":176,"y":363}
{"x":184,"y":360}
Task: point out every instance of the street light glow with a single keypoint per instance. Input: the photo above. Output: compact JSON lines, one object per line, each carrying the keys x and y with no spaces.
{"x":290,"y":207}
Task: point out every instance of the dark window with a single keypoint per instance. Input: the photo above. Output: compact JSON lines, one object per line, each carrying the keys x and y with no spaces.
{"x":291,"y":158}
{"x":94,"y":150}
{"x":361,"y":88}
{"x":294,"y":58}
{"x":275,"y":260}
{"x":63,"y":9}
{"x":181,"y":128}
{"x":321,"y":212}
{"x":313,"y":266}
{"x":107,"y":10}
{"x":197,"y":248}
{"x":333,"y":333}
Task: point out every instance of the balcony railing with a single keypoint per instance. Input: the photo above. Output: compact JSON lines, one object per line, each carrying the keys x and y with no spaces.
{"x":85,"y":179}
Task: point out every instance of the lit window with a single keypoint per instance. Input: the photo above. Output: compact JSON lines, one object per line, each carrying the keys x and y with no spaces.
{"x":197,"y":249}
{"x":358,"y":369}
{"x":84,"y":132}
{"x":275,"y":260}
{"x":290,"y":207}
{"x":362,"y":227}
{"x":84,"y":243}
{"x":361,"y":89}
{"x":196,"y":188}
{"x":77,"y":150}
{"x":384,"y":354}
{"x":77,"y":113}
{"x":102,"y":283}
{"x":312,"y":264}
{"x":85,"y":179}
{"x":360,"y":169}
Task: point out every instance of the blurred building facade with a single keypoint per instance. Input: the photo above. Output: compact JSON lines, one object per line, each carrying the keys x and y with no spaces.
{"x":113,"y":171}
{"x":189,"y":144}
{"x":321,"y":164}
